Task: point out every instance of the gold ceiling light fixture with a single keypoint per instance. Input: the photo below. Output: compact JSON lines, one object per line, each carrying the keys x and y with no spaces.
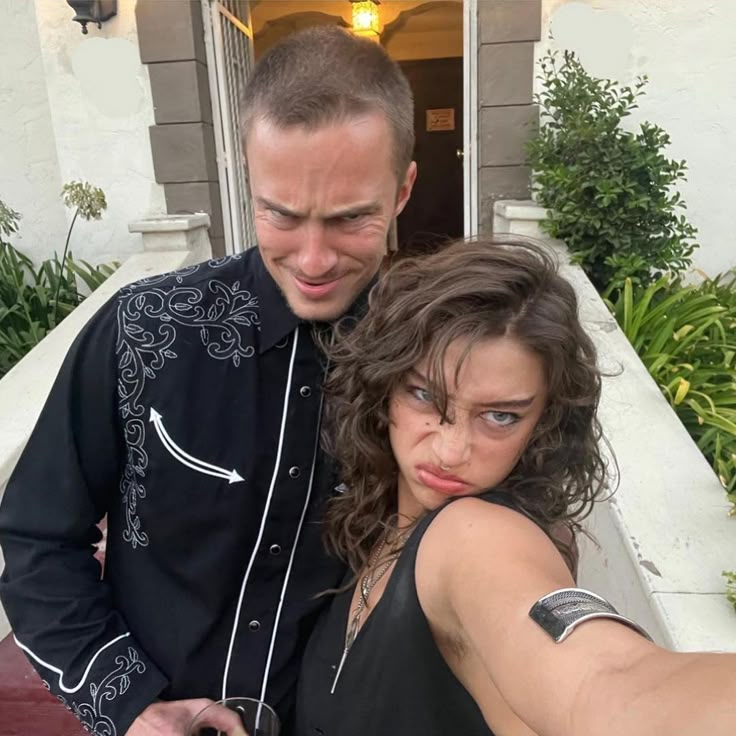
{"x":366,"y":19}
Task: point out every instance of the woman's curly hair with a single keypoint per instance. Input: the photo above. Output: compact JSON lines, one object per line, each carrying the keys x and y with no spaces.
{"x":467,"y":291}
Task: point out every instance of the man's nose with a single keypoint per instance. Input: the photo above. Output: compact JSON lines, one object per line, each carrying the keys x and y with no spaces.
{"x":317,"y":257}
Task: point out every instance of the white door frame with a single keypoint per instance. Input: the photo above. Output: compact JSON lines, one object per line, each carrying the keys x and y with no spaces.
{"x":220,"y":25}
{"x":470,"y":117}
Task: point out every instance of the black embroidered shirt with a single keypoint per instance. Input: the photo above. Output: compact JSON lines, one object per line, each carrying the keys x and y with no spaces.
{"x":187,"y":411}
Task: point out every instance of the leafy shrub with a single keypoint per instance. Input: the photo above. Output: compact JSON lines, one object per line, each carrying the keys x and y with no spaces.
{"x":34,"y":300}
{"x":608,"y":191}
{"x":731,"y":587}
{"x":686,"y":337}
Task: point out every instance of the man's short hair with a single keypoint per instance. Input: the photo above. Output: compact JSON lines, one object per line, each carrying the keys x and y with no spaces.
{"x":325,"y":75}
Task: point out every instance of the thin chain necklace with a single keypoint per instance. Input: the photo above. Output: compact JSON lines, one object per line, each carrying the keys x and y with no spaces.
{"x":367,"y":583}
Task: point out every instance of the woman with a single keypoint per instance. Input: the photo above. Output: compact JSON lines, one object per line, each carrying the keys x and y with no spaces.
{"x":463,"y":413}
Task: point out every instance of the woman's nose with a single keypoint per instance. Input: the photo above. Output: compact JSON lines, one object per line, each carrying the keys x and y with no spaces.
{"x":452,"y":443}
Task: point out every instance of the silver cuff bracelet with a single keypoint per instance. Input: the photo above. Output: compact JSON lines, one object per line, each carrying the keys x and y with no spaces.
{"x":561,"y":611}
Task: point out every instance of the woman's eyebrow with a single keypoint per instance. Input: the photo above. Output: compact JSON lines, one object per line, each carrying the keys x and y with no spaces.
{"x":501,"y":404}
{"x":416,"y":375}
{"x":509,"y":404}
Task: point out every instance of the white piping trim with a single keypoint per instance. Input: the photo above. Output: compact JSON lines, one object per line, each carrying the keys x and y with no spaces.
{"x":185,"y":458}
{"x":291,"y":561}
{"x":61,"y":672}
{"x":263,"y":518}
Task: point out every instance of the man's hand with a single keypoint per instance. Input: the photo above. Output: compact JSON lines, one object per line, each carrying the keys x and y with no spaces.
{"x":175,"y":717}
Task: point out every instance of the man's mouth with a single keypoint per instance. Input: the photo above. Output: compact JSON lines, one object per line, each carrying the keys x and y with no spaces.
{"x":316,"y":289}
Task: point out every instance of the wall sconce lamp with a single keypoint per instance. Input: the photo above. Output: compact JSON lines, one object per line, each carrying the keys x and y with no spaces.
{"x":93,"y":11}
{"x":366,"y":19}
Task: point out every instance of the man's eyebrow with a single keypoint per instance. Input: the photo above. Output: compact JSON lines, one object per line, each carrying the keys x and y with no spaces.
{"x":269,"y":205}
{"x":364,"y":208}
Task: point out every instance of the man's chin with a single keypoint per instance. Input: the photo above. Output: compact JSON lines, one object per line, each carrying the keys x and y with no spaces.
{"x":326,"y":311}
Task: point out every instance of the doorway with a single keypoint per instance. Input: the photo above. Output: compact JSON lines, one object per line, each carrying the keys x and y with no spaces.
{"x":435,"y":211}
{"x":426,"y":38}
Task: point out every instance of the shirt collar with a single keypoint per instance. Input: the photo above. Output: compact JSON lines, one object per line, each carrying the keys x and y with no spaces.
{"x":277,"y":319}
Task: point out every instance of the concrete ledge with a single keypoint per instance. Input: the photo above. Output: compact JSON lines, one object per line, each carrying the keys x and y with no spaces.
{"x":170,"y":223}
{"x":519,"y":217}
{"x":665,"y":536}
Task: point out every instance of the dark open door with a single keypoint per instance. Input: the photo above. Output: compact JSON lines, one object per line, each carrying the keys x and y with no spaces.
{"x":435,"y":210}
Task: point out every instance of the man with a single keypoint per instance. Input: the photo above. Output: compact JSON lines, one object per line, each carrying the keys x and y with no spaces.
{"x":188,"y":411}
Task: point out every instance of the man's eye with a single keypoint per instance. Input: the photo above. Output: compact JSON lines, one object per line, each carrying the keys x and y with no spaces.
{"x":278,"y":214}
{"x":501,"y":418}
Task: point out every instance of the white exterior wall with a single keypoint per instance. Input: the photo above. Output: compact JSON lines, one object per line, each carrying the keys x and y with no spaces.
{"x":687,"y":50}
{"x":74,"y":107}
{"x":30,"y":181}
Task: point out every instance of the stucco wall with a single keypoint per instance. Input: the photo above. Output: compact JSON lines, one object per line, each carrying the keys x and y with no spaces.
{"x":687,"y":50}
{"x":29,"y":173}
{"x":74,"y":107}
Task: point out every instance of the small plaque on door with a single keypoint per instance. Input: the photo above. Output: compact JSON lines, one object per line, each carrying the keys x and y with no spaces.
{"x":441,"y":118}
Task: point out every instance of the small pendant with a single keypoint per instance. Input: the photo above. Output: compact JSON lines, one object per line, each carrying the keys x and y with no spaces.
{"x":339,"y":669}
{"x":349,"y":640}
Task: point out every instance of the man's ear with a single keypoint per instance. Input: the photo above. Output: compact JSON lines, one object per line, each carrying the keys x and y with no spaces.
{"x":405,"y":188}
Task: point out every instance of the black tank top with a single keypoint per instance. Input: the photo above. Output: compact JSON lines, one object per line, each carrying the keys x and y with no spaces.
{"x":394,"y":681}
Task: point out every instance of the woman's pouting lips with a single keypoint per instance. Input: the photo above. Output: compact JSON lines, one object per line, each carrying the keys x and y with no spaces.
{"x":436,"y":479}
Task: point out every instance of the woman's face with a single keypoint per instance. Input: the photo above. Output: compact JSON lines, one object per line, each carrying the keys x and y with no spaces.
{"x":497,"y":401}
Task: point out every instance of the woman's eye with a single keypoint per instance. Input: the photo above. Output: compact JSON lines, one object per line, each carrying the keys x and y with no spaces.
{"x":420,"y":394}
{"x":501,"y":418}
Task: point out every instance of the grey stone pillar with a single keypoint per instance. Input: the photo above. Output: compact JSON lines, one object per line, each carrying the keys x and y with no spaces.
{"x":171,"y":40}
{"x":507,"y":117}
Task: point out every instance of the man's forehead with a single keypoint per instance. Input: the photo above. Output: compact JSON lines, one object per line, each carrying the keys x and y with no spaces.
{"x":265,"y":126}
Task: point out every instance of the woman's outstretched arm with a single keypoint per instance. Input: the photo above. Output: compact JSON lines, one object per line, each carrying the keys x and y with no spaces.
{"x":482,"y":567}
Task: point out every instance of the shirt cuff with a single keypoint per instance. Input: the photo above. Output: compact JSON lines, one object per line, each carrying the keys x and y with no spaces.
{"x":118,"y":683}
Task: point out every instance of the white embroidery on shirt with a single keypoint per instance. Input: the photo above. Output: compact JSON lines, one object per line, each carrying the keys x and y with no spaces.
{"x":150,"y":318}
{"x":116,"y":683}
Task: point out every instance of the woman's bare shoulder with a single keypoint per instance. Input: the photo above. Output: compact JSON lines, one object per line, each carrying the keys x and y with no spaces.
{"x":476,"y":521}
{"x":476,"y":539}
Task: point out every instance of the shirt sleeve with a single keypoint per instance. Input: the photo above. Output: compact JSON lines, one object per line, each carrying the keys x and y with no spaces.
{"x":61,"y":611}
